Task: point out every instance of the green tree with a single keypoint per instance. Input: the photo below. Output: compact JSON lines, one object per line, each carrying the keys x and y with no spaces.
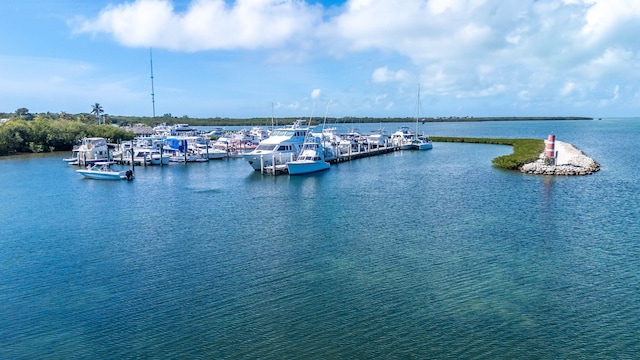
{"x":97,"y":110}
{"x":23,"y":113}
{"x":15,"y":136}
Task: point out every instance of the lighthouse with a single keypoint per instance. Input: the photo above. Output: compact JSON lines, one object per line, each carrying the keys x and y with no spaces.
{"x":550,"y":151}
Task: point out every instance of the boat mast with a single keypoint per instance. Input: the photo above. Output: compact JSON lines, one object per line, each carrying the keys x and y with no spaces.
{"x":153,"y":100}
{"x":418,"y":110}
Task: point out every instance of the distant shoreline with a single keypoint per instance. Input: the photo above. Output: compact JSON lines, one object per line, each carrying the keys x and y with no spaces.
{"x":318,"y":120}
{"x":506,"y":118}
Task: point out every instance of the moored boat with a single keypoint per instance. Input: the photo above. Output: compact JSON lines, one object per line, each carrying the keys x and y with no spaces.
{"x":281,"y":147}
{"x":310,"y":160}
{"x":420,"y":142}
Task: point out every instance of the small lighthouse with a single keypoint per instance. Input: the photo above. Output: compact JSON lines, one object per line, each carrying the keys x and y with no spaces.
{"x":550,"y":151}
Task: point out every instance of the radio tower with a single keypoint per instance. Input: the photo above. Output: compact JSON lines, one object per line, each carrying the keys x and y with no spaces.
{"x":153,"y":100}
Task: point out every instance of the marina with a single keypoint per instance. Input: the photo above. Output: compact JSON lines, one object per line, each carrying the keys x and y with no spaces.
{"x":267,"y":151}
{"x":409,"y":254}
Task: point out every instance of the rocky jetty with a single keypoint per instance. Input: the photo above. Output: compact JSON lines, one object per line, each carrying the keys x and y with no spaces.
{"x":570,"y":161}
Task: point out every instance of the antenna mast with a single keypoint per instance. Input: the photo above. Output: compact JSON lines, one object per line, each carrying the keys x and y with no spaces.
{"x":153,"y":99}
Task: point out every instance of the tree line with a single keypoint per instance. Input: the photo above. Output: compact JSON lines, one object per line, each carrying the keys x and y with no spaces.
{"x":42,"y":133}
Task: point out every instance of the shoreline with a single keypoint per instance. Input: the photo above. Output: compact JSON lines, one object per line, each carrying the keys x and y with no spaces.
{"x":569,"y":161}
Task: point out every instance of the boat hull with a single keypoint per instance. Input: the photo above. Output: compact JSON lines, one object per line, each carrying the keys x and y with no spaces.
{"x":306,"y":167}
{"x":258,"y":160}
{"x":422,"y":146}
{"x":105,"y":175}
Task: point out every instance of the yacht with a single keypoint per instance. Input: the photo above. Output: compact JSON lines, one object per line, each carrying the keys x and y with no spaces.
{"x":310,"y":160}
{"x":403,"y":138}
{"x":282,"y":146}
{"x":90,"y":150}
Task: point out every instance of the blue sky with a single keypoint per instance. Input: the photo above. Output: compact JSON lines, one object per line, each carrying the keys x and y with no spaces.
{"x":290,"y":58}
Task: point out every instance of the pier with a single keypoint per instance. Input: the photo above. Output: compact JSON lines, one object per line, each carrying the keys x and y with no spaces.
{"x":362,"y":150}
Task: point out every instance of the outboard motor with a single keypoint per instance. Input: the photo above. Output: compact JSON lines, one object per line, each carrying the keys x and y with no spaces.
{"x":129,"y":174}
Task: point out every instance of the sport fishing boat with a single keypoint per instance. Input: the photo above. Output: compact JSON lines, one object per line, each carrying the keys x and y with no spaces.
{"x":101,"y":170}
{"x":281,"y":147}
{"x":310,"y":160}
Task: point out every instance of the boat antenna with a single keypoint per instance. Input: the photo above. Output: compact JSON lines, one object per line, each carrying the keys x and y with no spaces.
{"x":325,"y":115}
{"x":312,"y":110}
{"x":153,"y":100}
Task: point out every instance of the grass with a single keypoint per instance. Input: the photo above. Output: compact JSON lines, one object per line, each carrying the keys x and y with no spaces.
{"x":524,"y":150}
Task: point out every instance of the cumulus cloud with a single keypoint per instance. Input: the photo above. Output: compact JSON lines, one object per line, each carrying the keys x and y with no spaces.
{"x":458,"y":48}
{"x":315,"y":94}
{"x":205,"y":25}
{"x":383,"y":74}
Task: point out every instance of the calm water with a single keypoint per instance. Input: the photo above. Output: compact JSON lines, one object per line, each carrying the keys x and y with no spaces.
{"x":408,"y":255}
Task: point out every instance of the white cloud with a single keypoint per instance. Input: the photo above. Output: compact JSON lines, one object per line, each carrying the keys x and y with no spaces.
{"x":383,"y":75}
{"x":457,"y":49}
{"x":567,"y":88}
{"x":205,"y":25}
{"x":315,"y":94}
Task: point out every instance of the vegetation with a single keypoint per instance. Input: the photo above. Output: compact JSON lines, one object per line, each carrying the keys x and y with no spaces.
{"x":43,"y":134}
{"x":524,"y":150}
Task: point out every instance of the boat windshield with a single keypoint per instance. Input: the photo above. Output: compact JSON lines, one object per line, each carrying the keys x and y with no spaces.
{"x":266,"y":147}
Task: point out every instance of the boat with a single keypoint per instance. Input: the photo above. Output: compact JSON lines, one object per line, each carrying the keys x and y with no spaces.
{"x":377,"y":138}
{"x":403,"y":138}
{"x":281,"y":147}
{"x":420,"y":142}
{"x":310,"y":160}
{"x":90,"y":150}
{"x":102,"y":170}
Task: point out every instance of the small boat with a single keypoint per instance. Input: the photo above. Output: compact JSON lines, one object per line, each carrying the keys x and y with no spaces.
{"x":421,"y":143}
{"x":310,"y":160}
{"x":101,"y":170}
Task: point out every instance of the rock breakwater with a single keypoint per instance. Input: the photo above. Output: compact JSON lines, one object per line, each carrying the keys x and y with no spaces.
{"x":569,"y":161}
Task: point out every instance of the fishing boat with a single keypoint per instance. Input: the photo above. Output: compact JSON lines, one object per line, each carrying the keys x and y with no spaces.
{"x":281,"y":147}
{"x":102,"y":170}
{"x":310,"y":160}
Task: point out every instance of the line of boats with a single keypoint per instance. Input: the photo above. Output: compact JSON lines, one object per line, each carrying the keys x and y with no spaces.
{"x":300,"y":148}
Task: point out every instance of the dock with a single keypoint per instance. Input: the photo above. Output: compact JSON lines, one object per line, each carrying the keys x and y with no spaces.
{"x":362,"y":151}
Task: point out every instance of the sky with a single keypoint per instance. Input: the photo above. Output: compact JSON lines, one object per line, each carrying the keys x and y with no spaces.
{"x":301,"y":58}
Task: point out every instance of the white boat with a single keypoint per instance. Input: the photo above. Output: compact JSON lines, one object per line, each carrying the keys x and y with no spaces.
{"x":310,"y":160}
{"x":377,"y":138}
{"x":403,"y":138}
{"x":101,"y":170}
{"x":420,"y":142}
{"x":281,"y":147}
{"x":91,"y":150}
{"x":210,"y":152}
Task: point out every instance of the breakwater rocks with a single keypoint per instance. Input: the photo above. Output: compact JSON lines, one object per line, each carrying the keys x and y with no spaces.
{"x":569,"y":161}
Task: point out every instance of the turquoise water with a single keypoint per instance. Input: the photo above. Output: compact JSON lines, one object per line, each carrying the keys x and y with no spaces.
{"x":430,"y":254}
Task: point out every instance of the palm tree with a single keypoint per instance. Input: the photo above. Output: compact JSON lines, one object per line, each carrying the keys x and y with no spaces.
{"x":97,"y":111}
